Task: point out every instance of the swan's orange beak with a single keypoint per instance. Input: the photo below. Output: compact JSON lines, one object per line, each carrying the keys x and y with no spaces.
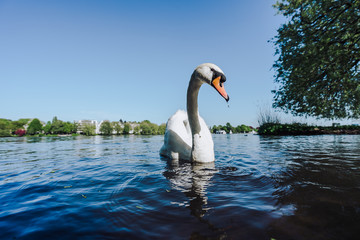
{"x":218,"y":85}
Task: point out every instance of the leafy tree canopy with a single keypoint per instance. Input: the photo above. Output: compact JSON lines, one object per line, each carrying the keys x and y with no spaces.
{"x":106,"y":128}
{"x":228,"y":127}
{"x":47,"y":128}
{"x":127,"y":128}
{"x":162,"y":129}
{"x":117,"y":127}
{"x":319,"y":54}
{"x":89,"y":129}
{"x":35,"y":126}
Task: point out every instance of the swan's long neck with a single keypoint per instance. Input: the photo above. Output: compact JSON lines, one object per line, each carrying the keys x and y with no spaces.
{"x":192,"y":104}
{"x":202,"y":144}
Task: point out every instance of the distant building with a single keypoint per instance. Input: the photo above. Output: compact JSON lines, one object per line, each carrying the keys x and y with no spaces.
{"x":97,"y":125}
{"x":220,"y":132}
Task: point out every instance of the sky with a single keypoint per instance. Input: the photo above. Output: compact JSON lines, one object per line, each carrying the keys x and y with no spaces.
{"x":132,"y":60}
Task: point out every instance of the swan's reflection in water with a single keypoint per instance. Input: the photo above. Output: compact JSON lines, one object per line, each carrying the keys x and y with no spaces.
{"x":192,"y":179}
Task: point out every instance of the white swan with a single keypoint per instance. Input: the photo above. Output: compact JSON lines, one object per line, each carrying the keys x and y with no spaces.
{"x":187,"y":136}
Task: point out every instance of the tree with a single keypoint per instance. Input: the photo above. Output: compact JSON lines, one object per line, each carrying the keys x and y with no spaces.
{"x":243,"y":128}
{"x":47,"y":128}
{"x":162,"y":129}
{"x":5,"y":133}
{"x":137,"y":130}
{"x":68,"y":128}
{"x":106,"y":128}
{"x":318,"y":68}
{"x":5,"y":127}
{"x":215,"y":128}
{"x":154,"y":128}
{"x":57,"y":126}
{"x":126,"y":128}
{"x":117,"y":127}
{"x":145,"y":128}
{"x":88,"y":129}
{"x":75,"y":127}
{"x":19,"y":124}
{"x":229,"y":128}
{"x":34,"y":127}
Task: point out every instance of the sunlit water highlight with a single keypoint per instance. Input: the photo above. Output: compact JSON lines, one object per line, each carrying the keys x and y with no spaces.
{"x":119,"y":188}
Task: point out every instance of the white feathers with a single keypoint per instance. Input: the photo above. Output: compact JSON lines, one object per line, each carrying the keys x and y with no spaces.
{"x":178,"y":142}
{"x":187,"y":136}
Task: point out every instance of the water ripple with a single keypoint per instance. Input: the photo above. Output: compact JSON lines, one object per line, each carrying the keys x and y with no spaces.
{"x":118,"y":187}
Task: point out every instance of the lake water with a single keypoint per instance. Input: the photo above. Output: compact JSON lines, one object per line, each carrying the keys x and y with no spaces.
{"x":304,"y":187}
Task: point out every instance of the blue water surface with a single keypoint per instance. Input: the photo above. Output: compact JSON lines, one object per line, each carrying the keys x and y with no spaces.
{"x":118,"y":187}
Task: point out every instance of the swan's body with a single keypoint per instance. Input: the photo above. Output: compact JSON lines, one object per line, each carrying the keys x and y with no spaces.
{"x":178,"y":139}
{"x":187,"y":136}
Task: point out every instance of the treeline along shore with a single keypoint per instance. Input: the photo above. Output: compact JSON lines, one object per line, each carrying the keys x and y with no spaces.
{"x":35,"y":127}
{"x":304,"y":129}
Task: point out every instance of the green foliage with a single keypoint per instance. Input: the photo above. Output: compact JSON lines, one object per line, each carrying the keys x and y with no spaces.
{"x":88,"y":129}
{"x":126,"y":128}
{"x":319,"y":58}
{"x":69,"y":128}
{"x":19,"y":124}
{"x":148,"y":128}
{"x":47,"y":128}
{"x":304,"y":129}
{"x":5,"y":127}
{"x":57,"y":126}
{"x":243,"y":129}
{"x":280,"y":129}
{"x":162,"y":129}
{"x":228,"y":127}
{"x":117,"y":127}
{"x":145,"y":128}
{"x":34,"y":127}
{"x":106,"y":128}
{"x":137,"y":130}
{"x":8,"y":127}
{"x":5,"y":133}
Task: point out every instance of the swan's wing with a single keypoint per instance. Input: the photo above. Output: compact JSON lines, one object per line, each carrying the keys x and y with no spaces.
{"x":205,"y":131}
{"x":203,"y":150}
{"x":179,"y":123}
{"x":177,"y":139}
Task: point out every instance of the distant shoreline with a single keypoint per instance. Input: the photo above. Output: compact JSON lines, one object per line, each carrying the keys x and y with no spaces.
{"x":316,"y":132}
{"x":296,"y":129}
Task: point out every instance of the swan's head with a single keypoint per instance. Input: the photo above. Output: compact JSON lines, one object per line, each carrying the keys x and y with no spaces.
{"x":211,"y":74}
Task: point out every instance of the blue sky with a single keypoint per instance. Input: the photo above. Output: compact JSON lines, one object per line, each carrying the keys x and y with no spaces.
{"x":132,"y":60}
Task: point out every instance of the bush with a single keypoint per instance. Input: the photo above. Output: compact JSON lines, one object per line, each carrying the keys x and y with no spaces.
{"x":20,"y":132}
